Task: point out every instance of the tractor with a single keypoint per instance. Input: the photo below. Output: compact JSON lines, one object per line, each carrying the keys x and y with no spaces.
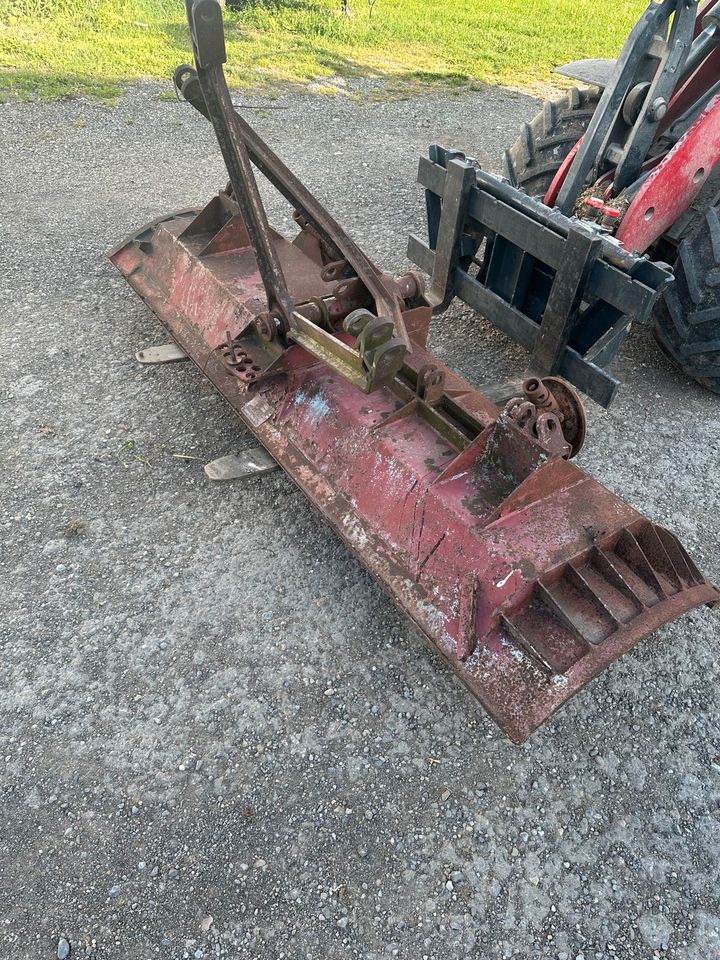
{"x":634,"y":154}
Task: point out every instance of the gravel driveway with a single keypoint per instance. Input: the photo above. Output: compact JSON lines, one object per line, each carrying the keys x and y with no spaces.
{"x":218,"y":737}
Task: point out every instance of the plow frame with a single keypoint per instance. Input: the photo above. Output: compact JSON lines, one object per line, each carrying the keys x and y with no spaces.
{"x":526,"y":575}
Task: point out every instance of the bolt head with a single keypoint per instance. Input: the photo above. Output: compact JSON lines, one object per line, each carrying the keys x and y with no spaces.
{"x":658,"y":108}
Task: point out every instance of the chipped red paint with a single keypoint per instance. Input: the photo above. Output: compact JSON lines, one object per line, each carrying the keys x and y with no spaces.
{"x":674,"y":183}
{"x":524,"y":573}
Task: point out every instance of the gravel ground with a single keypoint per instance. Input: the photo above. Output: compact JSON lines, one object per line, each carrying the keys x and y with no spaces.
{"x":218,"y":737}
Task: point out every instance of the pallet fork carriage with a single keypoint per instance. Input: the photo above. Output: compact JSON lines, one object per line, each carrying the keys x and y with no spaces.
{"x":523,"y":572}
{"x":553,"y":283}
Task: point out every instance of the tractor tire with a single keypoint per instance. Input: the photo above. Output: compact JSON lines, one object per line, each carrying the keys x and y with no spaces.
{"x":535,"y":157}
{"x":686,"y":320}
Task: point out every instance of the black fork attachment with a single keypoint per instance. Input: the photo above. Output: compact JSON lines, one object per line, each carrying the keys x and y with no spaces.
{"x":549,"y":281}
{"x":552,"y":283}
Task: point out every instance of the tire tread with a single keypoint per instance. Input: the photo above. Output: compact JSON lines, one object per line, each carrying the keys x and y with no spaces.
{"x":687,"y":319}
{"x":543,"y":144}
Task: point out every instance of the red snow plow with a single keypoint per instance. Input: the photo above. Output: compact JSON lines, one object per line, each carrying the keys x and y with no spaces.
{"x":523,"y":572}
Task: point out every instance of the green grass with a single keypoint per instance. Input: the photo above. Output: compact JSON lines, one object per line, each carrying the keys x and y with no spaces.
{"x":56,"y":48}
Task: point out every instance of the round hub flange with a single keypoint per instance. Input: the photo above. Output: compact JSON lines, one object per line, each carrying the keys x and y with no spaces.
{"x":558,"y":396}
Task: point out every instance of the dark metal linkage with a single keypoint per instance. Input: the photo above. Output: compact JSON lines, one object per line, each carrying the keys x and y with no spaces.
{"x":637,"y":63}
{"x":333,"y":236}
{"x":655,"y":104}
{"x":205,"y":21}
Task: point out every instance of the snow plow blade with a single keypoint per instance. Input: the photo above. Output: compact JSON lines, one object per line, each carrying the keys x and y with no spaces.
{"x":524,"y":573}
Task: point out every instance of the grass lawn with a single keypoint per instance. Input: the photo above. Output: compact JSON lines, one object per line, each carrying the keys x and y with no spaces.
{"x":56,"y":48}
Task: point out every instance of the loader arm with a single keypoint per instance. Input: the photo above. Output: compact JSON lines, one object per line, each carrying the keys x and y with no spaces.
{"x":634,"y":102}
{"x":654,"y":137}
